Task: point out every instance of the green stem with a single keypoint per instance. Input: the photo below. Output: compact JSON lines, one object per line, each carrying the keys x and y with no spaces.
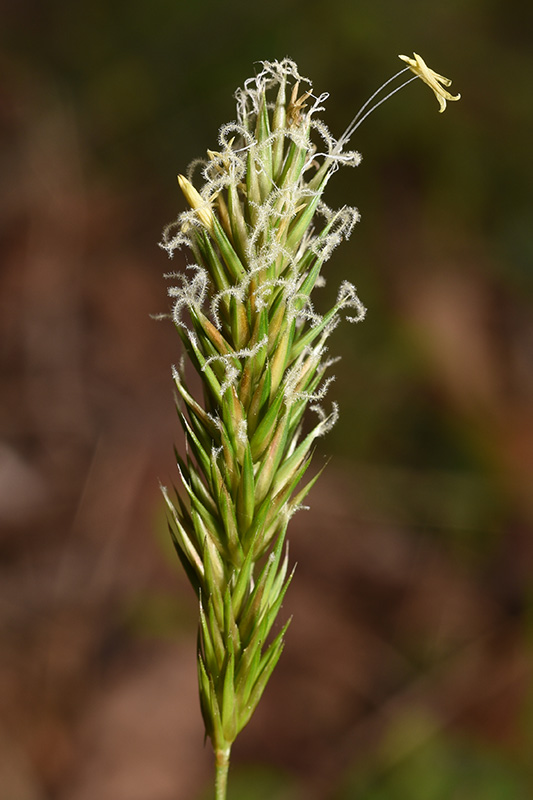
{"x":221,"y":772}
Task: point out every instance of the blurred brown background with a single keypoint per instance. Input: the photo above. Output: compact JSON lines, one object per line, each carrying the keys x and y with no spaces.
{"x":407,"y":672}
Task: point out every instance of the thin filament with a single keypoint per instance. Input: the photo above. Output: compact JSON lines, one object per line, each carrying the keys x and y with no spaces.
{"x":357,"y":120}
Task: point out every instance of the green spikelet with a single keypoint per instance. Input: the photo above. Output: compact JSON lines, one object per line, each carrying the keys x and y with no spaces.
{"x":244,"y":313}
{"x":259,"y":234}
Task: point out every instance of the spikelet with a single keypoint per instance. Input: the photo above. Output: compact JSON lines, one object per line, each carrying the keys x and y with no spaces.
{"x":259,"y":234}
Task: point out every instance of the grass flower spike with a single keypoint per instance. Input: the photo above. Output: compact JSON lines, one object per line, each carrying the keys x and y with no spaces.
{"x":258,"y":234}
{"x":435,"y":81}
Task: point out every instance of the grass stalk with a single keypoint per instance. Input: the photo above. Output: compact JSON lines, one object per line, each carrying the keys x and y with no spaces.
{"x":259,"y":236}
{"x":222,"y":760}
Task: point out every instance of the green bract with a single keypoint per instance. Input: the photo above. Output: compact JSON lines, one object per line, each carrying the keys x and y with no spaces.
{"x":259,"y":235}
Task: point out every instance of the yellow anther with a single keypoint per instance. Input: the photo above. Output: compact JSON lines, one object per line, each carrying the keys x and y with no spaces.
{"x":435,"y":81}
{"x":196,"y":202}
